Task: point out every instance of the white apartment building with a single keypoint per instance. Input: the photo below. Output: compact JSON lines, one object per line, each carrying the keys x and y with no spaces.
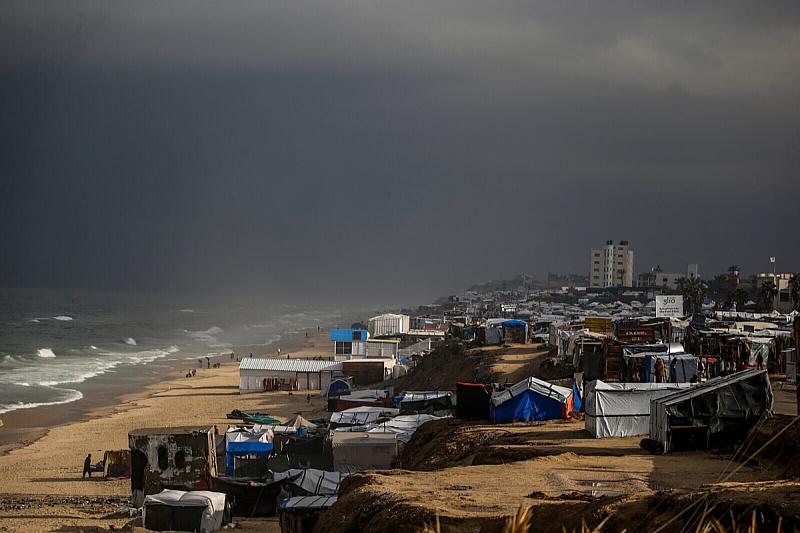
{"x":611,"y":266}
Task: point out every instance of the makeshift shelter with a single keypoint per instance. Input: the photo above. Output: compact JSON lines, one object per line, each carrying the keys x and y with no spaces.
{"x":531,"y":399}
{"x":413,"y":403}
{"x":364,"y":450}
{"x":403,"y":426}
{"x":336,"y":387}
{"x":177,"y":458}
{"x":252,"y":497}
{"x":622,"y":409}
{"x":117,"y":464}
{"x":300,"y":514}
{"x":299,"y":422}
{"x":242,"y":449}
{"x":473,"y":401}
{"x":175,"y":510}
{"x":359,"y":416}
{"x":311,"y":481}
{"x":718,"y":412}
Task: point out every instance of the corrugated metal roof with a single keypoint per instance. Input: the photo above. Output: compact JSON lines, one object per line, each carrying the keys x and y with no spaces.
{"x":289,"y":365}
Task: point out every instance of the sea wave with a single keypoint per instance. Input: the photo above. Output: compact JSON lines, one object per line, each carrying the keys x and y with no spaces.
{"x":63,"y":318}
{"x":188,"y":311}
{"x":34,"y":320}
{"x":207,"y":335}
{"x":69,"y":395}
{"x":46,"y":352}
{"x":131,"y":341}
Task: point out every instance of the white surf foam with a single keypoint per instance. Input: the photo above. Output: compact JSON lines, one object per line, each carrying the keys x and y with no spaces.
{"x":207,"y":335}
{"x":173,"y":349}
{"x":34,"y":320}
{"x":69,"y":395}
{"x":46,"y":352}
{"x":131,"y":341}
{"x":63,"y":318}
{"x":188,"y":311}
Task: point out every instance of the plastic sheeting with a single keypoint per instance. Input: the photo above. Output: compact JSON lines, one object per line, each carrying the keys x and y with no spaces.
{"x":239,"y":449}
{"x":716,"y":413}
{"x":213,"y":504}
{"x":531,"y":399}
{"x":622,"y":409}
{"x":312,"y":480}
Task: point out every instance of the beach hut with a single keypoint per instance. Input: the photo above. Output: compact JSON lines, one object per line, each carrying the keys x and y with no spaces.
{"x":176,"y":510}
{"x":258,"y":375}
{"x":716,"y":413}
{"x":531,"y":399}
{"x":622,"y":409}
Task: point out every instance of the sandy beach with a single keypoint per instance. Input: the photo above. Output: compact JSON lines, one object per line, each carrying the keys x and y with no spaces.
{"x":52,"y":465}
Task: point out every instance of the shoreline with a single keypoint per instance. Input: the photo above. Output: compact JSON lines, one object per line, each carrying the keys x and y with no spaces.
{"x":24,"y":427}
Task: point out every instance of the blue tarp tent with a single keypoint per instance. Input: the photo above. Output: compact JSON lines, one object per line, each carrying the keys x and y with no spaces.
{"x":531,"y":399}
{"x":239,"y":449}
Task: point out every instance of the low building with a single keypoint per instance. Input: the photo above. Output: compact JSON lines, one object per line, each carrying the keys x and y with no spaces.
{"x":388,"y":324}
{"x":257,"y":375}
{"x":179,"y":458}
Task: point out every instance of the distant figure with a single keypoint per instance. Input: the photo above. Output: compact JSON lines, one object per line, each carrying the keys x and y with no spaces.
{"x":231,"y":356}
{"x":194,"y":372}
{"x":308,"y":398}
{"x":759,"y":361}
{"x":237,"y":358}
{"x":87,"y":466}
{"x":251,"y":355}
{"x":659,"y":370}
{"x":200,"y":361}
{"x":208,"y":360}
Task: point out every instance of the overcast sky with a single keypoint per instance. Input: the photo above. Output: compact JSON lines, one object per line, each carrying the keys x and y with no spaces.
{"x":392,"y":151}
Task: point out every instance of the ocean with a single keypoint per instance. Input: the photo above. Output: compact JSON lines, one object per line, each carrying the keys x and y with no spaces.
{"x":62,"y":346}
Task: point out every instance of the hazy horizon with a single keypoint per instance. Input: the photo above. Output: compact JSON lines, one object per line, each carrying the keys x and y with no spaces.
{"x":383,"y":152}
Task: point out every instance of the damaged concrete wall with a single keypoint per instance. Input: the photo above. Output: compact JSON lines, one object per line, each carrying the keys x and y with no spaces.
{"x":179,"y":460}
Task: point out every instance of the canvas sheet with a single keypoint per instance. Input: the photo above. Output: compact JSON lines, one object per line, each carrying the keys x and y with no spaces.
{"x":622,"y":409}
{"x":312,"y":480}
{"x":212,"y":502}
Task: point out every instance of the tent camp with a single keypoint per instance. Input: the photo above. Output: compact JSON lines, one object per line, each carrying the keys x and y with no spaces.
{"x":176,"y":510}
{"x":336,"y":387}
{"x":622,"y":409}
{"x":718,"y":412}
{"x":359,"y":416}
{"x":242,"y":443}
{"x":531,"y":399}
{"x":431,"y":402}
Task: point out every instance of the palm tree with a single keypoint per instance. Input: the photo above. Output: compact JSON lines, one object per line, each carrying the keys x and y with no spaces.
{"x":794,"y":289}
{"x":733,"y":269}
{"x":694,"y":294}
{"x":738,"y":297}
{"x":766,"y":293}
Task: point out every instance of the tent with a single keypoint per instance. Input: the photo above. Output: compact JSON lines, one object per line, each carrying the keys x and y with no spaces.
{"x":117,"y":464}
{"x":242,"y":448}
{"x":622,"y":409}
{"x":336,"y":387}
{"x":531,"y":399}
{"x":312,"y":481}
{"x":473,"y":401}
{"x":413,"y":403}
{"x":176,"y":510}
{"x":716,"y":413}
{"x":359,"y":416}
{"x":678,"y":367}
{"x":300,"y":422}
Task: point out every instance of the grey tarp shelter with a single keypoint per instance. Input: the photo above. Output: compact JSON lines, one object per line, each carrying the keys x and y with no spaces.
{"x":716,"y":413}
{"x":622,"y":409}
{"x":177,"y":510}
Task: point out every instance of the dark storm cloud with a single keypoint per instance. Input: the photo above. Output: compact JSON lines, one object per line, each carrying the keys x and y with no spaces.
{"x":397,"y":150}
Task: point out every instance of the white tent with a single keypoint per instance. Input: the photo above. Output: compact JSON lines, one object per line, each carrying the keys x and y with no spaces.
{"x":209,"y":517}
{"x":359,"y":416}
{"x":622,"y":409}
{"x":312,"y":480}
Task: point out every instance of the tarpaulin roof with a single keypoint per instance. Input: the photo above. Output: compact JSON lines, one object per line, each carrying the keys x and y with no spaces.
{"x":212,"y":502}
{"x":307,"y":503}
{"x":313,"y":480}
{"x":537,"y":385}
{"x":622,"y":409}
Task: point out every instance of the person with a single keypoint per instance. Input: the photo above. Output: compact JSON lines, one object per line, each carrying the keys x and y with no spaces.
{"x":87,"y":466}
{"x":659,"y":370}
{"x":194,"y":372}
{"x":759,"y":361}
{"x":308,"y":398}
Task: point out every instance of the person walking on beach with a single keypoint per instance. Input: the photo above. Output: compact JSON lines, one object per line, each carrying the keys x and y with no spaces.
{"x":759,"y":361}
{"x":87,"y":466}
{"x":308,"y":398}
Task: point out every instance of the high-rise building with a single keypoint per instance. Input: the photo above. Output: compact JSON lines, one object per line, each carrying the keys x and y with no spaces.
{"x":611,"y":266}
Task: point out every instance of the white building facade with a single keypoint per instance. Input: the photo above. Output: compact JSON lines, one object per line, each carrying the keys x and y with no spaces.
{"x":611,"y":266}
